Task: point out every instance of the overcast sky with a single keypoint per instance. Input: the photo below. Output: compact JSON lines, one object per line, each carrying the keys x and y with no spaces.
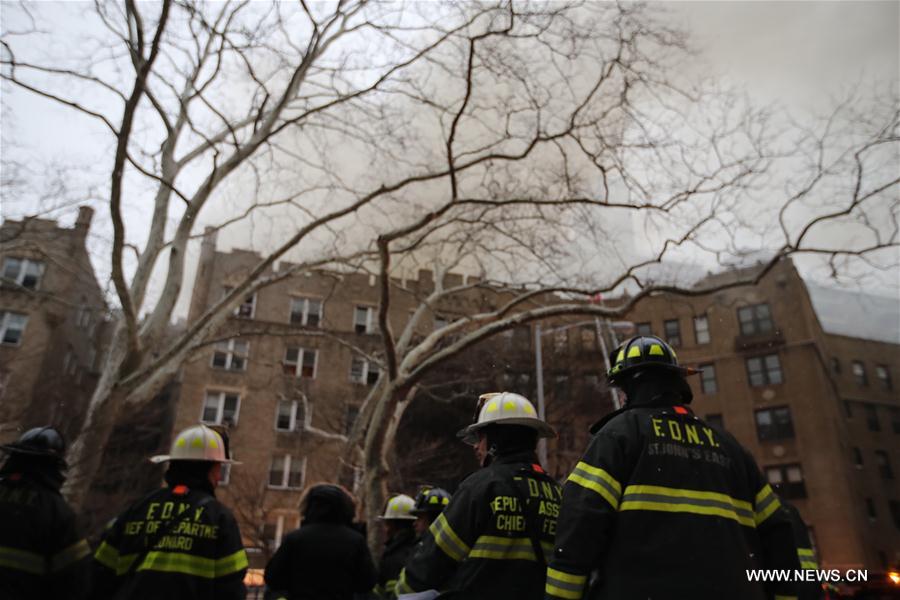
{"x":800,"y":54}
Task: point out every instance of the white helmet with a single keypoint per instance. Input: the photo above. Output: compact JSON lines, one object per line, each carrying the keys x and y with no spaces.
{"x":197,"y":443}
{"x":505,"y":408}
{"x":399,"y":508}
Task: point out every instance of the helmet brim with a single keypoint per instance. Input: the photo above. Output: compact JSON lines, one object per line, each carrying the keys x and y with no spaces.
{"x":469,"y":434}
{"x":161,"y":458}
{"x":14,"y":449}
{"x":680,"y":370}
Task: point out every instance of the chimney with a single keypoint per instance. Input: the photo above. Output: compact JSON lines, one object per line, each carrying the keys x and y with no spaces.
{"x":203,"y":278}
{"x":83,"y":222}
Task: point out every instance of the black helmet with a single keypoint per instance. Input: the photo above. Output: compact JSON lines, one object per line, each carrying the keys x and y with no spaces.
{"x":40,"y":441}
{"x":644,"y":352}
{"x":430,"y":500}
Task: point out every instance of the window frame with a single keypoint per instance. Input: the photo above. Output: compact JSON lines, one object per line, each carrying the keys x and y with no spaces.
{"x":872,"y":421}
{"x":23,"y":271}
{"x":230,"y":353}
{"x":298,"y":364}
{"x":366,"y":371}
{"x":292,"y":418}
{"x":884,"y":469}
{"x":883,"y":375}
{"x":643,"y":328}
{"x":675,"y":340}
{"x":704,"y":368}
{"x":858,"y":368}
{"x":774,"y":431}
{"x":5,"y":317}
{"x":765,"y":371}
{"x":289,"y":460}
{"x":220,"y":410}
{"x":305,"y":312}
{"x":798,"y":489}
{"x":753,"y":325}
{"x":237,"y":309}
{"x":704,"y":330}
{"x":371,"y":317}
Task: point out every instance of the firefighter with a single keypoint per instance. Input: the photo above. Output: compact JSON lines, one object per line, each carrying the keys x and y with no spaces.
{"x":42,"y":555}
{"x":430,"y":502}
{"x":809,"y":590}
{"x":662,"y":505}
{"x":491,"y":540}
{"x":401,"y":539}
{"x":326,"y":557}
{"x":178,"y":542}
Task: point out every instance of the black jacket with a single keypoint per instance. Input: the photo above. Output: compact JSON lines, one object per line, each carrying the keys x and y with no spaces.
{"x":42,"y":555}
{"x":666,"y":507}
{"x":201,"y":555}
{"x":322,"y":561}
{"x":480,"y":547}
{"x":397,"y":551}
{"x":809,"y":590}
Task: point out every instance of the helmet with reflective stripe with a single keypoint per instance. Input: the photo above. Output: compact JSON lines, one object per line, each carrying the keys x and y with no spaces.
{"x":505,"y":408}
{"x":197,"y":443}
{"x":39,"y":441}
{"x":399,"y":508}
{"x":643,"y":352}
{"x":431,"y":500}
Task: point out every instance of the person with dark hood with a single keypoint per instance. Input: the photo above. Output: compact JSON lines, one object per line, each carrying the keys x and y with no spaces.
{"x":494,"y":536}
{"x":662,"y":505}
{"x":178,"y":542}
{"x":42,"y":554}
{"x":808,"y":590}
{"x":326,"y":558}
{"x":400,"y":539}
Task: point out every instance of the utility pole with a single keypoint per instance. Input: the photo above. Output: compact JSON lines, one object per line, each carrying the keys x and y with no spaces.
{"x":539,"y":367}
{"x":617,"y":404}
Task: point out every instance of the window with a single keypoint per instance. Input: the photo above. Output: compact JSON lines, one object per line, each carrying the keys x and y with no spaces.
{"x":895,"y":420}
{"x":247,"y":308}
{"x":287,"y":472}
{"x":84,"y":318}
{"x":872,"y":417}
{"x":300,"y":362}
{"x":715,"y":421}
{"x":764,"y":370}
{"x":859,"y":373}
{"x":364,"y":319}
{"x":884,"y":464}
{"x":895,"y":512}
{"x":884,"y":377}
{"x":835,"y":365}
{"x":755,"y":319}
{"x":351,"y":411}
{"x":221,"y":408}
{"x":25,"y":272}
{"x":673,"y":332}
{"x":870,"y":509}
{"x":774,"y":424}
{"x":701,"y":329}
{"x":286,"y":415}
{"x":306,"y":311}
{"x":857,"y":458}
{"x":230,"y":355}
{"x":588,"y":338}
{"x":12,"y":326}
{"x":708,"y":383}
{"x":225,"y":473}
{"x":787,"y":480}
{"x":643,"y":328}
{"x":363,"y":371}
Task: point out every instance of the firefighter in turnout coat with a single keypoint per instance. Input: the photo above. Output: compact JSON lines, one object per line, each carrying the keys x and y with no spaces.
{"x":492,"y":539}
{"x":179,"y":542}
{"x":662,"y":505}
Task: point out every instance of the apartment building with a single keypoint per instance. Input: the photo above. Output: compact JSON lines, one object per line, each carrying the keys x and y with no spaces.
{"x":52,"y":314}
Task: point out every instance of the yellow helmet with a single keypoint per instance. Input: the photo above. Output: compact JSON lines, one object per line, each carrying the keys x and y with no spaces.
{"x":398,"y":508}
{"x":505,"y":408}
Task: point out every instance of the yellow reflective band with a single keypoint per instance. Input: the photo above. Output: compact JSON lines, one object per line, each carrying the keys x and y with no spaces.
{"x":564,"y":585}
{"x":766,"y":504}
{"x":69,"y":555}
{"x":597,"y":480}
{"x":107,"y":556}
{"x":634,"y":352}
{"x":785,"y":597}
{"x":656,"y":350}
{"x":188,"y":564}
{"x":658,"y":498}
{"x":503,"y":548}
{"x":390,"y":585}
{"x":447,"y":540}
{"x":621,"y":356}
{"x":22,"y":560}
{"x":402,"y":587}
{"x":806,"y":564}
{"x":231,"y":563}
{"x":806,"y":552}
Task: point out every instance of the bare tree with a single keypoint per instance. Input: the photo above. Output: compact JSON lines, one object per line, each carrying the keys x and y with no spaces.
{"x":524,"y":143}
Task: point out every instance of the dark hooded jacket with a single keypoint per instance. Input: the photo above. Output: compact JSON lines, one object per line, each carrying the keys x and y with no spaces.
{"x":42,"y":554}
{"x":326,"y":558}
